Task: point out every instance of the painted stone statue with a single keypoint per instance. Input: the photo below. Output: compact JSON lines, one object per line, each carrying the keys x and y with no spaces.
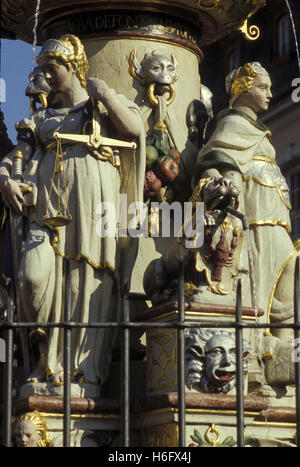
{"x":71,"y":176}
{"x":241,"y":151}
{"x":242,"y":172}
{"x":30,"y":431}
{"x":237,"y":168}
{"x":210,"y":359}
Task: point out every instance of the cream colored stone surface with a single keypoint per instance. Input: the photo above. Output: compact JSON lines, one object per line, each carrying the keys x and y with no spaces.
{"x":109,"y":60}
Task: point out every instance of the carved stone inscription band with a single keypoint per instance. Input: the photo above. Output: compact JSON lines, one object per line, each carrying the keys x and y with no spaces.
{"x":128,"y":24}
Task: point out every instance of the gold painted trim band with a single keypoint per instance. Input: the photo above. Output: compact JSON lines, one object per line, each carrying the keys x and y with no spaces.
{"x":267,"y":331}
{"x":202,"y":313}
{"x":297,"y":245}
{"x":264,"y":159}
{"x":77,"y":257}
{"x":247,"y":178}
{"x":271,"y":223}
{"x":78,"y":415}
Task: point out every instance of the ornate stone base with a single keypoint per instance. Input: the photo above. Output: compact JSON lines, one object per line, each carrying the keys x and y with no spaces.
{"x":94,"y":422}
{"x":162,"y":343}
{"x":211,"y":420}
{"x":49,"y":389}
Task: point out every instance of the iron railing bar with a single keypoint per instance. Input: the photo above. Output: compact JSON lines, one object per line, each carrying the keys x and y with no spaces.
{"x":140,"y":324}
{"x":67,"y":325}
{"x":297,"y":337}
{"x":239,"y":369}
{"x":125,"y":388}
{"x":181,"y":357}
{"x":8,"y":378}
{"x":67,"y":360}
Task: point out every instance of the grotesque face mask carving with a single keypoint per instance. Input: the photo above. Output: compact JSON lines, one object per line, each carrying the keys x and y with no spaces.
{"x":211,"y":360}
{"x":220,"y":360}
{"x":160,"y":70}
{"x":156,"y":70}
{"x":38,"y":89}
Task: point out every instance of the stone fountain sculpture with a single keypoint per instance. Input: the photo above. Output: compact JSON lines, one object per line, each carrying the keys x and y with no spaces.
{"x":109,"y":38}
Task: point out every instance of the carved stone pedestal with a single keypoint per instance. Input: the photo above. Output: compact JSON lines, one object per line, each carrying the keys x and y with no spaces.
{"x":94,"y":422}
{"x":211,"y":415}
{"x":210,"y":420}
{"x":162,"y":343}
{"x":95,"y":413}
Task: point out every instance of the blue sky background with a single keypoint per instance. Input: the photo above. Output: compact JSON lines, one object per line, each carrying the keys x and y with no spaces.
{"x":16,"y":64}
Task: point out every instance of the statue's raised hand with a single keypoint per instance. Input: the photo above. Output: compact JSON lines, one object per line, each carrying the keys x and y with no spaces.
{"x":219,"y":193}
{"x":97,"y":88}
{"x":124,"y":119}
{"x":11,"y":193}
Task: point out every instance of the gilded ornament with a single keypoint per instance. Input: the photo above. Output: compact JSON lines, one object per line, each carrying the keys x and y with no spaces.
{"x":154,"y":101}
{"x":251,"y":33}
{"x":30,"y":430}
{"x":211,"y":439}
{"x":189,"y":289}
{"x":214,"y":441}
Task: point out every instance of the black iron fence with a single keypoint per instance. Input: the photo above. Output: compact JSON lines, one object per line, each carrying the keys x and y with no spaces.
{"x":9,"y":326}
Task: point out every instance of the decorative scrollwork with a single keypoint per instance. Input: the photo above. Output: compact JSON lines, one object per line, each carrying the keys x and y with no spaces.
{"x":251,"y":33}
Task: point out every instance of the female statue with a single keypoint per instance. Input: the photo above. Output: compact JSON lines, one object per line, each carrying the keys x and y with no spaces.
{"x":240,"y":153}
{"x":69,"y":180}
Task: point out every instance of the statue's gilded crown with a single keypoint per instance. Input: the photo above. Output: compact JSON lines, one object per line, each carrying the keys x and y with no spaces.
{"x":240,"y":80}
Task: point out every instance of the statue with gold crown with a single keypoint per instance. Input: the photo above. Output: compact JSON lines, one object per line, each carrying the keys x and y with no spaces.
{"x":83,"y":147}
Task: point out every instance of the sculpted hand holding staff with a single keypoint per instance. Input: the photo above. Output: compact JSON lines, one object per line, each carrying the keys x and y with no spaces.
{"x":69,"y":180}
